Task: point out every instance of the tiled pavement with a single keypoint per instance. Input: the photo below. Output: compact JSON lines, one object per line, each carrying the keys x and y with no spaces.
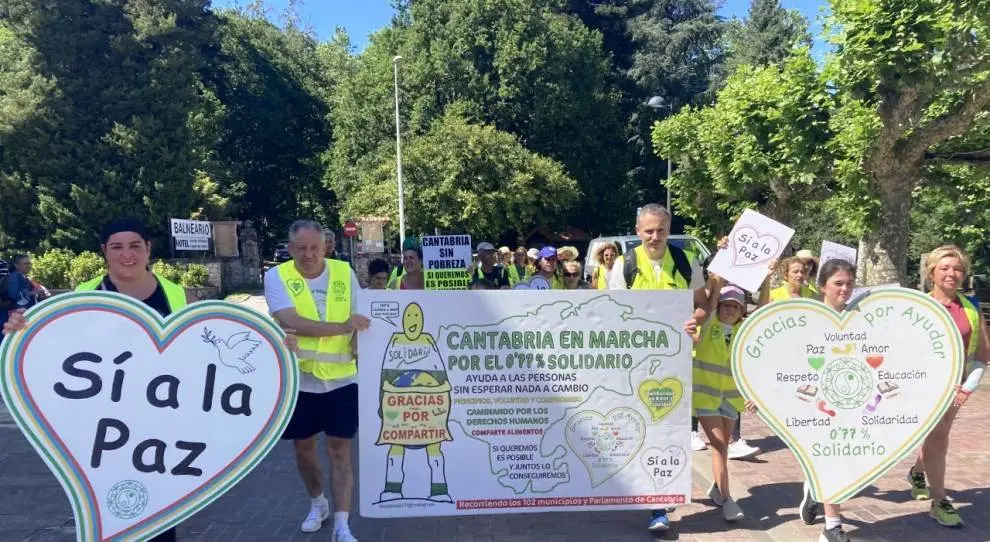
{"x":269,"y":504}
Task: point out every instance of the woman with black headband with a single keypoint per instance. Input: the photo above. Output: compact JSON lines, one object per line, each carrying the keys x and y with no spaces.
{"x":126,"y":248}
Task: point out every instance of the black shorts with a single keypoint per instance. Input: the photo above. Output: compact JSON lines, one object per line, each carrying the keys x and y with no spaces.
{"x":334,"y":413}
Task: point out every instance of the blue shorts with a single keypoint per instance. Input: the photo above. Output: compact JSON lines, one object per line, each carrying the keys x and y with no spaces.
{"x":724,"y":410}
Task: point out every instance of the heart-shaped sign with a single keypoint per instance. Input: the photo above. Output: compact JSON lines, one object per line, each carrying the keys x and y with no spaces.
{"x":660,"y":398}
{"x":663,"y":465}
{"x":145,"y":422}
{"x":844,"y":423}
{"x":749,"y":247}
{"x":606,"y":444}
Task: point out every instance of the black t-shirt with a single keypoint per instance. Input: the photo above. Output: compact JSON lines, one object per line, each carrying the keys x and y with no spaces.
{"x":157,"y":300}
{"x":498,"y":276}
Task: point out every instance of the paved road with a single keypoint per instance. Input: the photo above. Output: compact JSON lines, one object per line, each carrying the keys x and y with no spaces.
{"x":269,"y":504}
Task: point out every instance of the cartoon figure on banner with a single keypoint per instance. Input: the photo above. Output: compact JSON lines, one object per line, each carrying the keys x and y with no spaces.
{"x":415,"y":405}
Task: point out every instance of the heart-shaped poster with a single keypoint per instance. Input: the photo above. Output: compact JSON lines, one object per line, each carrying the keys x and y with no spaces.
{"x":750,"y":247}
{"x":145,"y":421}
{"x":851,"y":420}
{"x":606,"y":444}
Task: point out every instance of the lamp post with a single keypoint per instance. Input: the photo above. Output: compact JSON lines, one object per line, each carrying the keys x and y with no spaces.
{"x":657,"y":102}
{"x":398,"y":156}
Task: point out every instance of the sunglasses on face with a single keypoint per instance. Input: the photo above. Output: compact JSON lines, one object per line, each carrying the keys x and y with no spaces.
{"x":569,"y":275}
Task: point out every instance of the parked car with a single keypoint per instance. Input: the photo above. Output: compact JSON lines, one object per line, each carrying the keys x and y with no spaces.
{"x":282,"y":253}
{"x":695,"y":249}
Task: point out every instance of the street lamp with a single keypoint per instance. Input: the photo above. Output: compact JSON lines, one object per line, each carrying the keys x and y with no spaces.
{"x":657,"y":102}
{"x":398,"y":156}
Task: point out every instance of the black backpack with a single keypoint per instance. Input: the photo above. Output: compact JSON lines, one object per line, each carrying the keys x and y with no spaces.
{"x":681,"y":265}
{"x":5,"y":302}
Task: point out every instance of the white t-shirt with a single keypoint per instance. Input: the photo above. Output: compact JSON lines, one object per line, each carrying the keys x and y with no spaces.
{"x":278,"y":299}
{"x":617,"y":279}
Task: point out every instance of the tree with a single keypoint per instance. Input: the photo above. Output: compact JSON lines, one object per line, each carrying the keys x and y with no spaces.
{"x":767,"y":35}
{"x":760,"y":145}
{"x":466,"y":177}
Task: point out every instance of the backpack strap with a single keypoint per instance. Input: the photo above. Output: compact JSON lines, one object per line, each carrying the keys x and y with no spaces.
{"x":630,"y":267}
{"x":681,"y":263}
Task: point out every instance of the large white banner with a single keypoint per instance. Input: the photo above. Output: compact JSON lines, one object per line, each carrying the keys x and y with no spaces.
{"x":481,"y":402}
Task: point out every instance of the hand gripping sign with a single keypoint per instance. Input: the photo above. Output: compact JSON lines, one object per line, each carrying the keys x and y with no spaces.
{"x":851,"y":394}
{"x":145,"y":421}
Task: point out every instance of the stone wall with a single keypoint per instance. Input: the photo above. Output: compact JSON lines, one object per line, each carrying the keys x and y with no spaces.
{"x":233,"y":272}
{"x":361,"y":264}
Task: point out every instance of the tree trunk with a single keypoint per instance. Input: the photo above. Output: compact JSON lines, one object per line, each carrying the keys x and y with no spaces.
{"x":883,"y":252}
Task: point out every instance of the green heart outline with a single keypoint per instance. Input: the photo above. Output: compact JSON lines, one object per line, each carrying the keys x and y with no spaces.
{"x":841,"y":321}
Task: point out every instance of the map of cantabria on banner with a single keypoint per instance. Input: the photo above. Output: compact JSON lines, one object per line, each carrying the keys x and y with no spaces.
{"x":508,"y":402}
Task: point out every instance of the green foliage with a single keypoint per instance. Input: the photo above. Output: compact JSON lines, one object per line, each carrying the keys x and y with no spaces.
{"x":195,"y":275}
{"x":762,"y":144}
{"x":464,"y":177}
{"x":951,"y":207}
{"x":767,"y":35}
{"x":168,"y":271}
{"x":52,"y":268}
{"x":85,"y":266}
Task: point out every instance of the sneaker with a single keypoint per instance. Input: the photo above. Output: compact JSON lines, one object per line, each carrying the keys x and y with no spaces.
{"x":715,"y":495}
{"x":919,"y":487}
{"x":696,"y":443}
{"x":659,"y":521}
{"x":835,"y":534}
{"x":731,"y":511}
{"x":740,"y":449}
{"x":945,"y":515}
{"x":809,"y":507}
{"x":318,"y":513}
{"x":342,"y":535}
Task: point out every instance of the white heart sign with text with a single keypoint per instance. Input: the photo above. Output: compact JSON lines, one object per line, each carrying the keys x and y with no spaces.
{"x":145,"y":421}
{"x":851,"y":394}
{"x":750,"y":247}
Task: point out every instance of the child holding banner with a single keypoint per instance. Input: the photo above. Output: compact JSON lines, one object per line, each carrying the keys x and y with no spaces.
{"x":946,"y":268}
{"x":716,"y":400}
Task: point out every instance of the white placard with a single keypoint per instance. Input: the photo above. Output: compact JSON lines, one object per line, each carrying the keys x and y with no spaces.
{"x":486,"y":402}
{"x":191,"y":234}
{"x":835,"y":251}
{"x":754,"y":242}
{"x":445,"y":261}
{"x":853,"y":394}
{"x":145,"y":423}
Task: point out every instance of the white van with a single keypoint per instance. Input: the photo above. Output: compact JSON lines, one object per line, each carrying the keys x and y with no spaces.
{"x":691,"y":245}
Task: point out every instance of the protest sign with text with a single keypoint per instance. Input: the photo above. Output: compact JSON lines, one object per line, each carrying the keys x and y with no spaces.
{"x":754,"y":242}
{"x":445,"y":261}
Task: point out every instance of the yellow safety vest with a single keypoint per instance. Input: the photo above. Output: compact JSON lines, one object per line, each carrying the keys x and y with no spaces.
{"x":782,"y":293}
{"x":175,"y":294}
{"x":646,"y":279}
{"x":513,"y":274}
{"x":326,"y":358}
{"x":973,"y":315}
{"x":712,"y":375}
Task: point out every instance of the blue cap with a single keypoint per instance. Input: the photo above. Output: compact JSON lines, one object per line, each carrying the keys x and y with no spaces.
{"x":548,"y":252}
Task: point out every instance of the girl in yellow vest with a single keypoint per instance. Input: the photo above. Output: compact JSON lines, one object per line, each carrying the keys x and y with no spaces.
{"x":793,"y":271}
{"x":715,"y":399}
{"x":126,"y":247}
{"x":946,"y":269}
{"x":605,"y":255}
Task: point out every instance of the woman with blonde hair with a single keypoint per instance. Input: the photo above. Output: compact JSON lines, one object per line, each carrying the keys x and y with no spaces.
{"x":605,"y":255}
{"x":946,"y":269}
{"x":572,"y":276}
{"x":794,"y":273}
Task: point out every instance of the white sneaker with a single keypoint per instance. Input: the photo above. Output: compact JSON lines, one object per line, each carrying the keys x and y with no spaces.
{"x":342,"y":535}
{"x":318,"y":513}
{"x":740,"y":449}
{"x":731,"y":511}
{"x":696,"y":443}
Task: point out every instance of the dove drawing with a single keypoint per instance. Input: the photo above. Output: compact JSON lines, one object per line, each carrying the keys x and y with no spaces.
{"x":235,"y":350}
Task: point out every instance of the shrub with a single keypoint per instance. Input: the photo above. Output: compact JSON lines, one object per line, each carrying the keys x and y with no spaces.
{"x":51,"y":269}
{"x":196,"y":275}
{"x":86,"y":266}
{"x":168,"y":271}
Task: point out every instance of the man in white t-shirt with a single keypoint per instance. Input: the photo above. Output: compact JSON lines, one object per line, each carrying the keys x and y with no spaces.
{"x":297,"y":295}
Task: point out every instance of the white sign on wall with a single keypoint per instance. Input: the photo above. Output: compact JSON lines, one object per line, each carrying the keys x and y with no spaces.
{"x":835,"y":251}
{"x":507,"y":402}
{"x":191,"y":234}
{"x":754,"y":242}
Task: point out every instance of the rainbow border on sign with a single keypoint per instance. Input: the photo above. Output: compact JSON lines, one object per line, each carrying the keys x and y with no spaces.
{"x":162,"y":332}
{"x":895,"y":456}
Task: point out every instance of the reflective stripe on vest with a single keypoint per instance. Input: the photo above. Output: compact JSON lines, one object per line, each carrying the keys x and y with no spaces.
{"x":646,"y":278}
{"x":326,"y":358}
{"x":973,"y":315}
{"x":781,"y":293}
{"x":174,"y":294}
{"x":712,"y":374}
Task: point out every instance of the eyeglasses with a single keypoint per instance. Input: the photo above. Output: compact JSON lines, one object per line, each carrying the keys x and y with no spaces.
{"x":569,"y":275}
